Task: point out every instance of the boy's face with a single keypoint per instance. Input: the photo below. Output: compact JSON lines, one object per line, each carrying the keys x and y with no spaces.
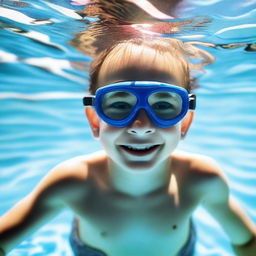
{"x":141,"y":145}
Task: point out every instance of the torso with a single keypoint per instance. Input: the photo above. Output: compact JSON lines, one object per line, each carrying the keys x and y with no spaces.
{"x":156,"y":224}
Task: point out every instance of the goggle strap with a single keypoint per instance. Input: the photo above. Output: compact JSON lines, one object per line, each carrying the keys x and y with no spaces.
{"x":88,"y":100}
{"x":192,"y":101}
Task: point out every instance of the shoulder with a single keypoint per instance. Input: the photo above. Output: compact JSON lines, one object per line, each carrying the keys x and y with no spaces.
{"x":77,"y":168}
{"x":196,"y":164}
{"x":202,"y":172}
{"x":68,"y":177}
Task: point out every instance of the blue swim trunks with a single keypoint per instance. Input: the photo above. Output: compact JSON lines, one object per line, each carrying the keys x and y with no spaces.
{"x":80,"y":249}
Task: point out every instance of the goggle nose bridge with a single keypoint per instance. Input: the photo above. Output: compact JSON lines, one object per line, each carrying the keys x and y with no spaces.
{"x":142,"y":104}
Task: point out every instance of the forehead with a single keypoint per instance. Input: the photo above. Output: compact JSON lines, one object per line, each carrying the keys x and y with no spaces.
{"x":141,"y":63}
{"x":135,"y":73}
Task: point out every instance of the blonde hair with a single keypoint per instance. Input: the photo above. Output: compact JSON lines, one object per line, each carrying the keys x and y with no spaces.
{"x":165,"y":54}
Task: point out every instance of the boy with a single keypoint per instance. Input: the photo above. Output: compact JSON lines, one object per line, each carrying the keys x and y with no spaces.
{"x":137,"y":196}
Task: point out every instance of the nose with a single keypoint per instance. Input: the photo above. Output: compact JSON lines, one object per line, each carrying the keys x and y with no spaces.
{"x":142,"y":125}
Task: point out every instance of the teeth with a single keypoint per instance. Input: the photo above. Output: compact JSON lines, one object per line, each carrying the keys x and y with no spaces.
{"x":139,"y":147}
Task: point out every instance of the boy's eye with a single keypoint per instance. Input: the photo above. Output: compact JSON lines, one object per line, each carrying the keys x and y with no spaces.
{"x":162,"y":105}
{"x":120,"y":105}
{"x":165,"y":105}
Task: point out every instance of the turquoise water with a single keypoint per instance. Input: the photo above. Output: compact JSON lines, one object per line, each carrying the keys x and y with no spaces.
{"x":42,"y":119}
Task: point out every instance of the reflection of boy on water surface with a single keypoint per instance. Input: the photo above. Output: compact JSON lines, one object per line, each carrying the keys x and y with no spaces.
{"x":137,"y":196}
{"x":125,"y":19}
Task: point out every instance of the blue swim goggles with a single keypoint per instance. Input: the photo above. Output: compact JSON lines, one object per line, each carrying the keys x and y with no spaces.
{"x":118,"y":104}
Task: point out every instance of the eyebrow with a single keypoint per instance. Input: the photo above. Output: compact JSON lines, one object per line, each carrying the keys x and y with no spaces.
{"x":117,"y":94}
{"x":163,"y":95}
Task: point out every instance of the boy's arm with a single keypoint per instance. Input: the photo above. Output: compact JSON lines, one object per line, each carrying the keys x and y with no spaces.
{"x":230,"y":216}
{"x":37,"y":208}
{"x":24,"y":218}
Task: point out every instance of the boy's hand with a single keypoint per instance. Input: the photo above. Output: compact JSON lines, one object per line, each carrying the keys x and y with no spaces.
{"x":248,"y":249}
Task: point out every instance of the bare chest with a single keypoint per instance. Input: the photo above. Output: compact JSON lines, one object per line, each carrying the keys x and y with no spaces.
{"x":124,"y":225}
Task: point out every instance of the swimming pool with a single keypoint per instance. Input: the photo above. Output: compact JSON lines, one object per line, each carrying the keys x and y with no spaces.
{"x":42,"y":119}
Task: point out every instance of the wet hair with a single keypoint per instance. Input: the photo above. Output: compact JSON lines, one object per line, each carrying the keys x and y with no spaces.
{"x":166,"y":54}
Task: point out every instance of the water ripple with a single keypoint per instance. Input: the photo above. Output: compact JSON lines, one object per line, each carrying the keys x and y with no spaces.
{"x":22,"y":18}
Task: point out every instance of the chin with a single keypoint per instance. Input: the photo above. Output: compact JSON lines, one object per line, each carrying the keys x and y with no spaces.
{"x":138,"y":165}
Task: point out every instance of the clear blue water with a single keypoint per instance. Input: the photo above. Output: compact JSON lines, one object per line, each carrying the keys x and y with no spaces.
{"x":42,"y":119}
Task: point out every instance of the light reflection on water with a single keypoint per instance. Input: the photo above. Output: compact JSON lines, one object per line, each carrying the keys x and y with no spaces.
{"x":42,"y":118}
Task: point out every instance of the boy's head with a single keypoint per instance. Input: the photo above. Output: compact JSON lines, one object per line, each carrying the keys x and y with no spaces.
{"x":141,"y":143}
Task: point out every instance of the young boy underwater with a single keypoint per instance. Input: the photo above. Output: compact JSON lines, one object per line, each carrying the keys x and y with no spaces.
{"x":137,"y":196}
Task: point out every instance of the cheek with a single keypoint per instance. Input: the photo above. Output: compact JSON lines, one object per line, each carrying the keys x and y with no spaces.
{"x":108,"y":134}
{"x":172,"y":135}
{"x":106,"y":129}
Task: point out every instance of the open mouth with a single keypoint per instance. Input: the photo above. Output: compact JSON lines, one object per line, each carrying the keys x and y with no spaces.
{"x":140,"y":150}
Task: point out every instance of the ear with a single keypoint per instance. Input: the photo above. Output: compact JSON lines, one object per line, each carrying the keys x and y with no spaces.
{"x":93,"y":121}
{"x":186,"y":122}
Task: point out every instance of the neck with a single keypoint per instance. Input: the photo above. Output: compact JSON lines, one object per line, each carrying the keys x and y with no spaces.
{"x":139,"y":182}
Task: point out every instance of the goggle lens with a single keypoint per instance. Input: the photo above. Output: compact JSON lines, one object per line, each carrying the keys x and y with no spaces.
{"x":118,"y":105}
{"x":165,"y":105}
